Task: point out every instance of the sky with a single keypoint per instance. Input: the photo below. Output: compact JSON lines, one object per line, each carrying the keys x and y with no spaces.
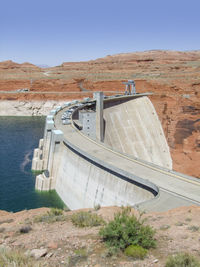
{"x":55,"y":31}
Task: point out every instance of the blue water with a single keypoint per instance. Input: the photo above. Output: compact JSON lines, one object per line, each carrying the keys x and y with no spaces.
{"x":18,"y":138}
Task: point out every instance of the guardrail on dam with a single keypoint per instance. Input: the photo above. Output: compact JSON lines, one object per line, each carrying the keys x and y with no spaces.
{"x":110,"y":151}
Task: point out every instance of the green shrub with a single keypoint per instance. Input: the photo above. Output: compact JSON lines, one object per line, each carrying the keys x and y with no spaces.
{"x":85,"y":219}
{"x":135,"y":252}
{"x":55,"y":212}
{"x":127,"y":230}
{"x":97,"y":207}
{"x":81,"y":252}
{"x":111,"y":251}
{"x":182,"y":260}
{"x":54,"y":215}
{"x":80,"y":255}
{"x":11,"y":258}
{"x":193,"y":228}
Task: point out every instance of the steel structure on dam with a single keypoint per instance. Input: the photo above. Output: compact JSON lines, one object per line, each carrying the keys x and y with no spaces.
{"x":126,"y":163}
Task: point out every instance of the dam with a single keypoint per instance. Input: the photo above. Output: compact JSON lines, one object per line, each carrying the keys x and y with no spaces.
{"x":111,"y":151}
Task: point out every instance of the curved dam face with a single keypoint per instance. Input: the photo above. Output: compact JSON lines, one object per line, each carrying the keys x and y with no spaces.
{"x":82,"y":183}
{"x":130,"y":166}
{"x":133,"y":128}
{"x":79,"y":177}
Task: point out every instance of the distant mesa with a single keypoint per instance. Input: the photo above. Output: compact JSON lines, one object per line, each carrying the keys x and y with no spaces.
{"x":137,"y":57}
{"x":9,"y":64}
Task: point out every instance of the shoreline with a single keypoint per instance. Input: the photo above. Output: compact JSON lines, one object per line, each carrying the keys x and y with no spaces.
{"x":27,"y":108}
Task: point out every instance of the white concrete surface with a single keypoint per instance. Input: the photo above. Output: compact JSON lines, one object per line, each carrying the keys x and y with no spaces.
{"x":133,"y":127}
{"x":82,"y":184}
{"x":86,"y":173}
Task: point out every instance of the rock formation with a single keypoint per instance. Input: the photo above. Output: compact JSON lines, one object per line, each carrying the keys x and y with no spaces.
{"x":172,"y":76}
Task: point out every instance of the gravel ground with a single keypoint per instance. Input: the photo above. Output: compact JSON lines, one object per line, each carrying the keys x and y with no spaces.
{"x":62,"y":244}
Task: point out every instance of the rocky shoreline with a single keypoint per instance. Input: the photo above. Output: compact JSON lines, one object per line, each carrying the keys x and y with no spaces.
{"x":27,"y":108}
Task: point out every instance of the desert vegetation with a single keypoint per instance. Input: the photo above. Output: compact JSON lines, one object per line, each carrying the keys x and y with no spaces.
{"x":86,"y":219}
{"x":128,"y":233}
{"x":102,"y":237}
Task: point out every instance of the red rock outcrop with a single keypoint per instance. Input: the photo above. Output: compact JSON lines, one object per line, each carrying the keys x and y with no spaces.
{"x":173,"y":77}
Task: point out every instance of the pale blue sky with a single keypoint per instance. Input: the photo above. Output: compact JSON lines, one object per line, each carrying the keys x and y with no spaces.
{"x":53,"y":31}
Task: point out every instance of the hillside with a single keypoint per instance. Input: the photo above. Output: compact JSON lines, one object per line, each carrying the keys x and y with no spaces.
{"x":55,"y":241}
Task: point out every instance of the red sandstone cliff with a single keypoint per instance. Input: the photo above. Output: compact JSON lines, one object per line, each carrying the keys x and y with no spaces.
{"x":173,"y":77}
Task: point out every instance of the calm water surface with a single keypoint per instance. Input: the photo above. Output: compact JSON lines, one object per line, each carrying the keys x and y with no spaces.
{"x":18,"y":138}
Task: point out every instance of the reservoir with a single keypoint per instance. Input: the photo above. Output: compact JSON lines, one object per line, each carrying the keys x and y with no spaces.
{"x":18,"y":138}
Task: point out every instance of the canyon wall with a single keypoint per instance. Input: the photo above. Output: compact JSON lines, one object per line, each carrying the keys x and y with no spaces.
{"x":172,"y":76}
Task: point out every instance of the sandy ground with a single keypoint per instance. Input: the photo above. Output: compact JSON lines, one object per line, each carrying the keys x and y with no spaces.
{"x":176,"y":231}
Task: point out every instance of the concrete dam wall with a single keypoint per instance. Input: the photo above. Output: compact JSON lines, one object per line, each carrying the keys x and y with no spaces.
{"x":133,"y":128}
{"x":126,"y":163}
{"x":82,"y":182}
